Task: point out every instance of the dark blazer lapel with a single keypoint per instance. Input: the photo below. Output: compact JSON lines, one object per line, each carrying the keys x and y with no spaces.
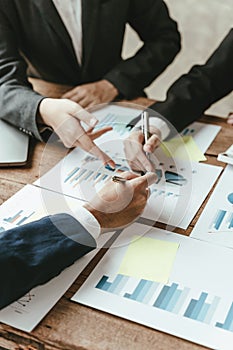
{"x":49,"y":12}
{"x":90,"y":11}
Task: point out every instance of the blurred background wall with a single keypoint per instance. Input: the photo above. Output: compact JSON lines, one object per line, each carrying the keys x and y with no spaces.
{"x":202,"y":24}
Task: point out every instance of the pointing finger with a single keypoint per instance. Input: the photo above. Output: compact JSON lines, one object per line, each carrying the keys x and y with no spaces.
{"x":79,"y":113}
{"x":94,"y":135}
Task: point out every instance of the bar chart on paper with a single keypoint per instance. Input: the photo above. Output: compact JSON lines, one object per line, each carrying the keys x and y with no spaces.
{"x":176,"y":198}
{"x":118,"y":117}
{"x":171,"y":298}
{"x":191,"y":304}
{"x":19,"y":218}
{"x":222,"y":222}
{"x":92,"y":173}
{"x":117,"y":122}
{"x":27,"y":312}
{"x":180,"y":189}
{"x":203,"y":134}
{"x":216,"y":221}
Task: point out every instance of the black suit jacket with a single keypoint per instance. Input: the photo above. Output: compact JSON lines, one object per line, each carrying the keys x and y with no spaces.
{"x":32,"y":254}
{"x":31,"y":31}
{"x":196,"y":91}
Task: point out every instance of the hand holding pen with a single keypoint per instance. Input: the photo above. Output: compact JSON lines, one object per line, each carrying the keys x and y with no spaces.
{"x":141,"y":143}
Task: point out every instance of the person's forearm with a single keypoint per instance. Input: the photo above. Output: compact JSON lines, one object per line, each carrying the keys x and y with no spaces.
{"x":18,"y":102}
{"x":32,"y":254}
{"x":19,"y":107}
{"x":161,"y":39}
{"x":194,"y":92}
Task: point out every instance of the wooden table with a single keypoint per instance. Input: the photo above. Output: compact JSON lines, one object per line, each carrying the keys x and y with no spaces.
{"x":70,"y":325}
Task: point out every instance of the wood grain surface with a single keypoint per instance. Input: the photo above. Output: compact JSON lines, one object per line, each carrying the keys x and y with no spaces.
{"x":68,"y":325}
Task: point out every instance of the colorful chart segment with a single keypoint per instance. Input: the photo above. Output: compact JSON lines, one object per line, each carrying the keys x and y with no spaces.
{"x":188,"y":132}
{"x":117,"y":122}
{"x":228,"y":324}
{"x":171,"y":298}
{"x":18,"y":218}
{"x":230,"y":198}
{"x":84,"y":173}
{"x":223,"y":219}
{"x":200,"y":311}
{"x":222,"y":222}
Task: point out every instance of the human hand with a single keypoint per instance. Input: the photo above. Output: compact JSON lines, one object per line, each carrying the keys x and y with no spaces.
{"x":88,"y":95}
{"x":230,"y":119}
{"x":135,"y":150}
{"x":64,"y":117}
{"x":120,"y":203}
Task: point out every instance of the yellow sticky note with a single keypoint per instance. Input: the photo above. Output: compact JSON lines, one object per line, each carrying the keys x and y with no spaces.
{"x":184,"y":148}
{"x":149,"y":259}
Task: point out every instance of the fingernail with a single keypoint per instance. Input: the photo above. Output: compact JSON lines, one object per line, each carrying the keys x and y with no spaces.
{"x":109,"y":167}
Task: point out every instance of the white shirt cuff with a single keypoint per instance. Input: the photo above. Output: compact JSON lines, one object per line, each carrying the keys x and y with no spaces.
{"x":88,"y":221}
{"x":157,"y":123}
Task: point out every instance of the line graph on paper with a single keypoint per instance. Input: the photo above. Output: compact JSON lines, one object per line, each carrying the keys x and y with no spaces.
{"x":21,"y":305}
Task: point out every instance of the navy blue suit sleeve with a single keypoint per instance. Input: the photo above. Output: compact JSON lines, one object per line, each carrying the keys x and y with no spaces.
{"x":194,"y":92}
{"x":32,"y":254}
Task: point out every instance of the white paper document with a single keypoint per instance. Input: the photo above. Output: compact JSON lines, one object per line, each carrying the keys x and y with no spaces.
{"x":203,"y":134}
{"x":118,"y":117}
{"x":176,"y":201}
{"x":195,"y":304}
{"x":216,"y":222}
{"x":29,"y":204}
{"x":180,"y":190}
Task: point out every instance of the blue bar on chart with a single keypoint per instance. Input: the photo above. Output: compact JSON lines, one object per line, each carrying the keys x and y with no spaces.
{"x":228,"y":324}
{"x":207,"y":312}
{"x":80,"y":173}
{"x":86,"y":175}
{"x":187,"y":131}
{"x":90,"y":173}
{"x":230,"y":221}
{"x":143,"y":292}
{"x":171,"y":298}
{"x":12,"y":219}
{"x":195,"y":307}
{"x":25,"y":218}
{"x":218,"y":219}
{"x":114,"y":287}
{"x":201,"y":311}
{"x":117,"y":122}
{"x":71,"y":174}
{"x":89,"y":159}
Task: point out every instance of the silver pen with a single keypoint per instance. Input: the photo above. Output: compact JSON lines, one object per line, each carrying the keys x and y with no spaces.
{"x":145,"y":129}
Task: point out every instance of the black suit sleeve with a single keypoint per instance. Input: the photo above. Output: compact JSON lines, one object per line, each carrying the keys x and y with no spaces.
{"x":18,"y":102}
{"x":161,"y":39}
{"x":32,"y":254}
{"x":194,"y":92}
